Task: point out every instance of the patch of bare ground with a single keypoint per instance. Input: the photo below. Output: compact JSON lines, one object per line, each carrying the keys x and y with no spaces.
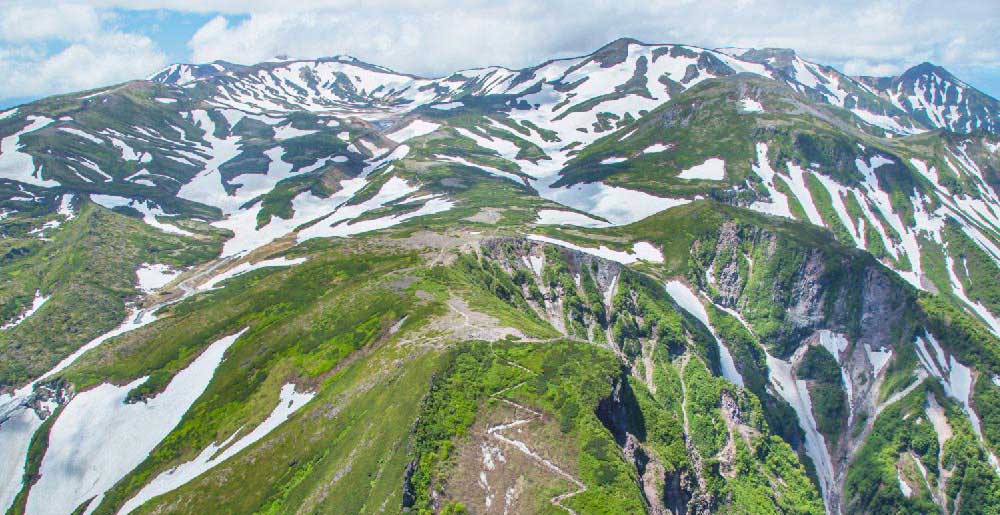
{"x":494,"y":477}
{"x":459,"y":323}
{"x":487,"y":215}
{"x":439,"y":248}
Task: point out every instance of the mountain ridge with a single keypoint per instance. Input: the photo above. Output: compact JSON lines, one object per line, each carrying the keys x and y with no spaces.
{"x":650,"y":279}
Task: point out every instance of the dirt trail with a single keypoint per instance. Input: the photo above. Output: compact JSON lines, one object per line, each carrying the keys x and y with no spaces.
{"x":496,"y":430}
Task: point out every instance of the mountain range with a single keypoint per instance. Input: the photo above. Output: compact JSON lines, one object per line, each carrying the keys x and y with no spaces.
{"x":652,"y":279}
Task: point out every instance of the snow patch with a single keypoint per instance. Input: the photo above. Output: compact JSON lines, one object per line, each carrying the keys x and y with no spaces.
{"x":560,"y":217}
{"x":796,"y":393}
{"x":149,"y":212}
{"x":415,"y":129}
{"x":655,"y":148}
{"x":83,"y":135}
{"x":19,"y":166}
{"x":778,"y":205}
{"x":749,"y":105}
{"x":245,"y":267}
{"x":878,"y":358}
{"x":36,"y":303}
{"x":447,"y":106}
{"x":86,"y":455}
{"x":689,"y":302}
{"x":153,"y":276}
{"x":713,"y":169}
{"x":289,"y":401}
{"x":641,"y":251}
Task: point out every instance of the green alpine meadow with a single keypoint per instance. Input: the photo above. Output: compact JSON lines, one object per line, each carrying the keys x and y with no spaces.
{"x":655,"y":279}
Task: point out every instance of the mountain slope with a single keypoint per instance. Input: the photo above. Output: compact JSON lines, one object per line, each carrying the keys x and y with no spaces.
{"x":656,"y":278}
{"x":938,"y":99}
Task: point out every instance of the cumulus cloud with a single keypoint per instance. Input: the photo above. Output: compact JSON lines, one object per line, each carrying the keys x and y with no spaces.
{"x":436,"y":37}
{"x":46,"y":49}
{"x":25,"y":23}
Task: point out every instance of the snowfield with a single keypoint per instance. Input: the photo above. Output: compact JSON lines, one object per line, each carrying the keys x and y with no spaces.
{"x":641,"y":251}
{"x":154,"y":276}
{"x":289,"y":401}
{"x":86,"y":455}
{"x":19,"y":166}
{"x":713,"y":169}
{"x":414,"y":129}
{"x":560,"y":217}
{"x":688,"y":301}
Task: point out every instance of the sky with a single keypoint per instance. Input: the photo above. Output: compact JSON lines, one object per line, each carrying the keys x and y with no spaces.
{"x":49,"y":47}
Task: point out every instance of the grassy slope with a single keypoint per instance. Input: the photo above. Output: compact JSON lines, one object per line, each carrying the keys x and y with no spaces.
{"x":87,"y":270}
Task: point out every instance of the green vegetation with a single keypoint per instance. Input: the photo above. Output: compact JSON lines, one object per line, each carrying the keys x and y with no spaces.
{"x":87,"y":270}
{"x":827,"y":391}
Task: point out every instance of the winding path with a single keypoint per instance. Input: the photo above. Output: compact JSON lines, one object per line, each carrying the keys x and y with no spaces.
{"x":496,"y":431}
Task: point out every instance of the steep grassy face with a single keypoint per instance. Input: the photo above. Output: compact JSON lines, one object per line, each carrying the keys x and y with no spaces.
{"x":85,"y":270}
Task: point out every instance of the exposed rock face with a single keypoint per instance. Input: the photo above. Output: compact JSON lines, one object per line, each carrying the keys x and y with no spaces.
{"x":674,"y":493}
{"x":864,"y":303}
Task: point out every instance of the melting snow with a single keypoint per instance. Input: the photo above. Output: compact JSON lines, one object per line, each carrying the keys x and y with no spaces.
{"x":750,"y":105}
{"x":713,"y":169}
{"x":779,"y":202}
{"x":80,"y":134}
{"x":149,"y":214}
{"x":655,"y":148}
{"x":559,"y":217}
{"x":15,"y":437}
{"x":956,"y":285}
{"x":836,"y":344}
{"x":414,"y":129}
{"x":640,"y":251}
{"x":796,"y":393}
{"x":287,"y":132}
{"x":955,"y":377}
{"x":289,"y":401}
{"x":245,"y":267}
{"x":154,"y":276}
{"x":801,"y":191}
{"x":36,"y":304}
{"x":447,"y":106}
{"x":884,"y":205}
{"x":689,"y":302}
{"x":613,"y":160}
{"x":907,"y":491}
{"x":878,"y":358}
{"x":86,"y":455}
{"x":488,"y":169}
{"x":66,"y":206}
{"x":393,"y":190}
{"x":206,"y":187}
{"x":19,"y":166}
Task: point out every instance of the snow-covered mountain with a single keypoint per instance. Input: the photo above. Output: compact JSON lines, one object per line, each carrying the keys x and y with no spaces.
{"x":938,"y":99}
{"x":768,"y":284}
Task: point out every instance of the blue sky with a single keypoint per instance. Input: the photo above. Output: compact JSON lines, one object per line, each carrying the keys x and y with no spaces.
{"x":50,"y":46}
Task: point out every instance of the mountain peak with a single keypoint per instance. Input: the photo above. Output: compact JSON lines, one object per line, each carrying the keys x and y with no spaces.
{"x":926,"y":68}
{"x":777,"y":57}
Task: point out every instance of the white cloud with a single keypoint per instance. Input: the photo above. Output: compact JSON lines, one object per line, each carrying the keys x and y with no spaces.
{"x":86,"y":55}
{"x":70,"y":22}
{"x":435,"y":37}
{"x":864,"y":67}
